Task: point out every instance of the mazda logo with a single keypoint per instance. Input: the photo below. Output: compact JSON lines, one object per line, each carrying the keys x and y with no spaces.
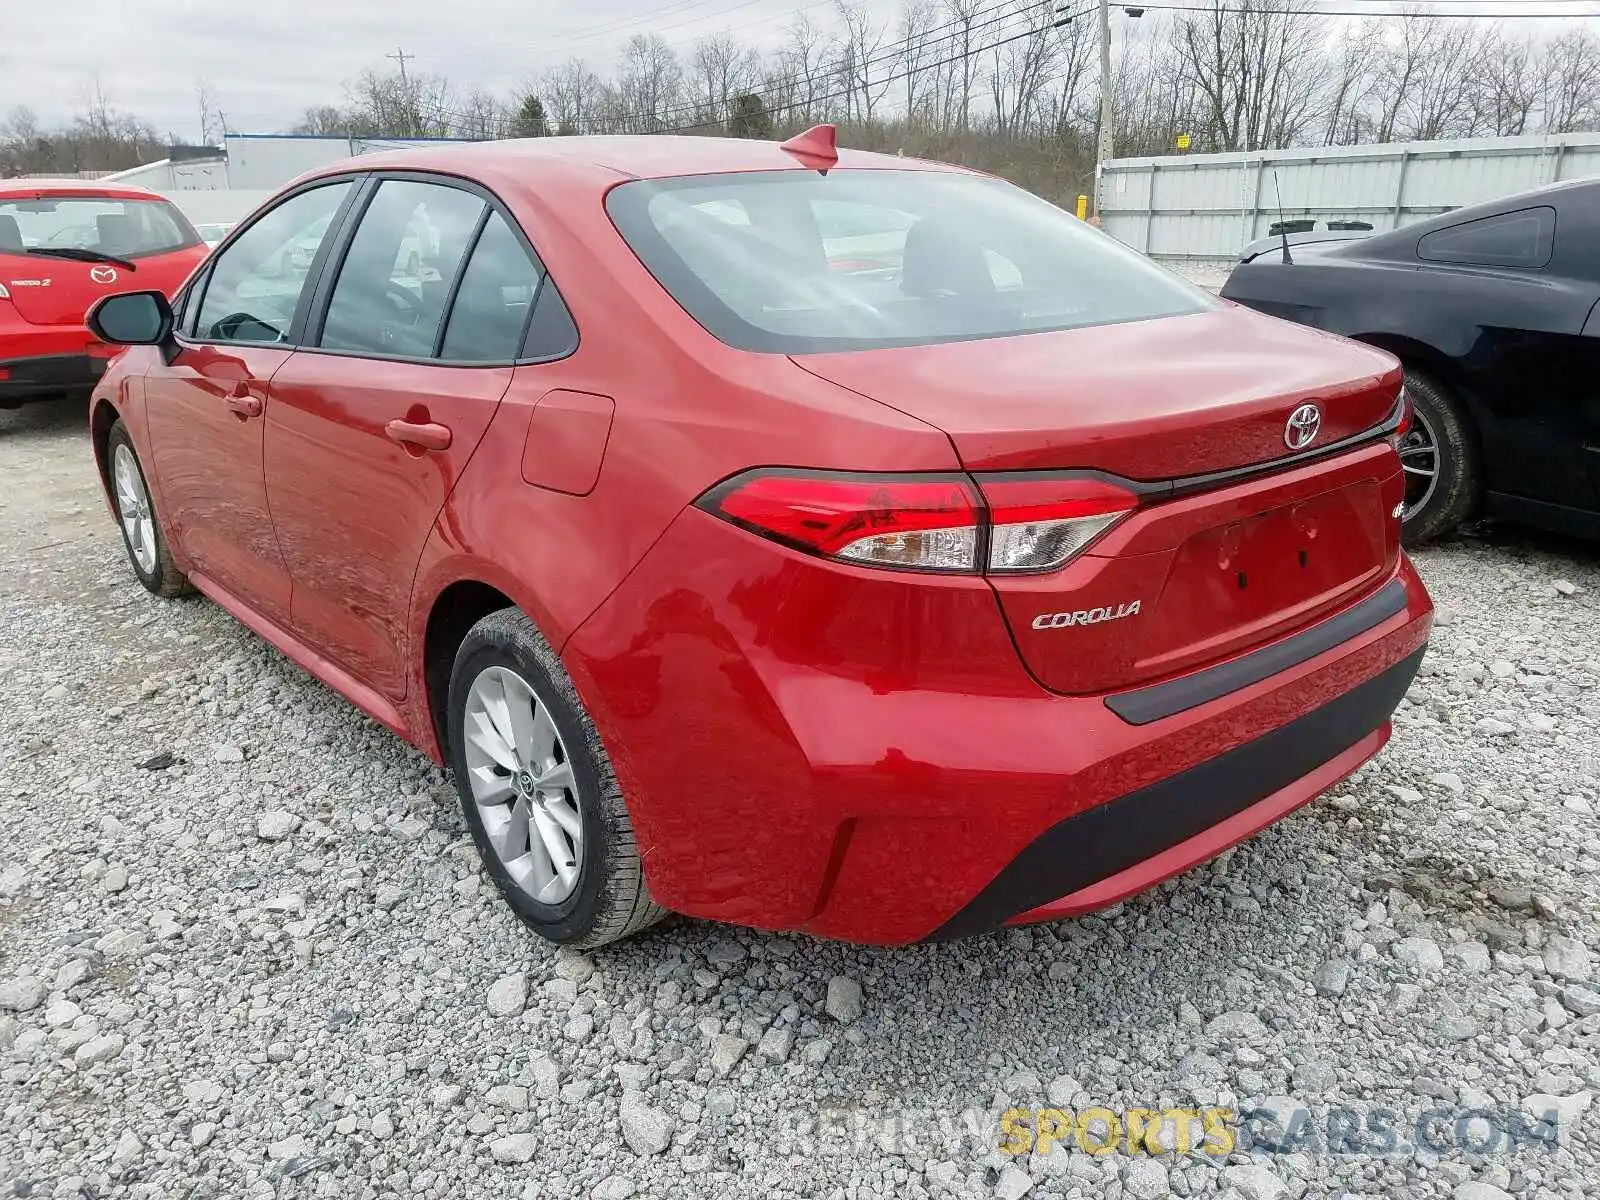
{"x":1302,"y":427}
{"x":103,"y":274}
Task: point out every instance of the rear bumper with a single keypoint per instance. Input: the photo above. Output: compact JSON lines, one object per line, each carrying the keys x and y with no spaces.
{"x":811,"y":746}
{"x":47,"y":376}
{"x":1135,"y":841}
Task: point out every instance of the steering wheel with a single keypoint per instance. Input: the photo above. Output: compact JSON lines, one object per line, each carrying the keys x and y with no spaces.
{"x":407,"y":301}
{"x":245,"y":327}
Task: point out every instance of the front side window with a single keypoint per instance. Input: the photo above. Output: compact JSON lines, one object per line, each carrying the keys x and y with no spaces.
{"x":794,"y":262}
{"x":130,"y":229}
{"x":396,"y":277}
{"x":1515,"y":239}
{"x":256,"y":282}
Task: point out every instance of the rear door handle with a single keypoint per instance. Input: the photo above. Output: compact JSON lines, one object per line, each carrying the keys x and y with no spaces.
{"x":425,"y":436}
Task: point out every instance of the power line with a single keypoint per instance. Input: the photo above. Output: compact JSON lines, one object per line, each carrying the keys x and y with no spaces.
{"x":619,"y":24}
{"x":811,"y":100}
{"x":879,"y":57}
{"x":1342,"y":12}
{"x":1003,"y":13}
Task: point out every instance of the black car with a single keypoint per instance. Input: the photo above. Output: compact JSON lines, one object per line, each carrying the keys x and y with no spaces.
{"x":1495,"y":312}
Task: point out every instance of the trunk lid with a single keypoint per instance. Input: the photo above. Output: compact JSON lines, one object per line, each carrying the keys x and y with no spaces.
{"x":1201,"y":574}
{"x":1147,"y":400}
{"x":58,"y":291}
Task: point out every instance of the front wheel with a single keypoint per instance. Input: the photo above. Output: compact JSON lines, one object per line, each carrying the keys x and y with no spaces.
{"x":1440,"y":457}
{"x":538,"y":792}
{"x":142,"y":535}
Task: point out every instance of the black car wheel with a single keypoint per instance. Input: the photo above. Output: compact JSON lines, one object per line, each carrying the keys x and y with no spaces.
{"x":537,"y":789}
{"x":142,"y":535}
{"x":1440,"y":457}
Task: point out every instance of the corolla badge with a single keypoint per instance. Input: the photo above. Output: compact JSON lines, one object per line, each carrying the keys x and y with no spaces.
{"x":103,"y":274}
{"x":1086,"y":616}
{"x":1302,"y":427}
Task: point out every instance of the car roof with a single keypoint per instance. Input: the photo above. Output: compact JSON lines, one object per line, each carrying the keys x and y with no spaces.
{"x":607,"y":159}
{"x":42,"y":189}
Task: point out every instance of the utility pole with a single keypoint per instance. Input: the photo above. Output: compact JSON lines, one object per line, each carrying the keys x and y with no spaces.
{"x":400,"y":56}
{"x":408,"y":108}
{"x":1102,"y":152}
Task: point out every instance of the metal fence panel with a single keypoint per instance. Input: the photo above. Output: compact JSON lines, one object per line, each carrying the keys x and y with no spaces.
{"x":1209,"y":206}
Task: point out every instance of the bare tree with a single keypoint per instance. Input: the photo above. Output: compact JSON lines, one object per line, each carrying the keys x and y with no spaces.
{"x":916,"y":22}
{"x":1438,"y":60}
{"x":719,"y":70}
{"x":400,"y":105}
{"x":649,"y":85}
{"x":1571,"y":70}
{"x":1350,"y":79}
{"x":482,"y":117}
{"x":325,"y":120}
{"x":1257,"y":65}
{"x":962,"y":17}
{"x":804,"y":60}
{"x":212,"y":126}
{"x":572,"y":94}
{"x":865,"y":73}
{"x":1505,"y":88}
{"x":1076,"y":42}
{"x":1019,"y":70}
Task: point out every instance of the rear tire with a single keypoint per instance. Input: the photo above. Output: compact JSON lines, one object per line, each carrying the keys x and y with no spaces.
{"x":580,"y":881}
{"x":142,"y":536}
{"x":1439,"y":417}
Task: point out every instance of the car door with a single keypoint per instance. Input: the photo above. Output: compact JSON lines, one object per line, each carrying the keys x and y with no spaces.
{"x":205,"y":407}
{"x":1524,"y":281}
{"x":372,"y":424}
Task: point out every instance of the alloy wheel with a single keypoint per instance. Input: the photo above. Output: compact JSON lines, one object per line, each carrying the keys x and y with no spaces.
{"x":1419,"y":456}
{"x":522,"y":782}
{"x":133,"y":509}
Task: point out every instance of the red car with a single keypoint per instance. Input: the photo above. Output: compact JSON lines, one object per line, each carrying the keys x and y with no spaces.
{"x":889,"y":586}
{"x":65,"y":244}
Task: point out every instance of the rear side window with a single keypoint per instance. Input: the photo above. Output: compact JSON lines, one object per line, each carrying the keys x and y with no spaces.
{"x":494,"y":299}
{"x":1516,"y":239}
{"x":396,"y":277}
{"x":792,"y":262}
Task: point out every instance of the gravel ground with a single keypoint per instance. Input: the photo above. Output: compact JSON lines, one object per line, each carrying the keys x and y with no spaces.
{"x":246,"y":951}
{"x":1209,"y":275}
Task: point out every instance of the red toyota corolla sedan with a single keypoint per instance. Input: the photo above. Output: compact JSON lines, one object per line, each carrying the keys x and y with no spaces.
{"x":63,"y":245}
{"x":858,"y":546}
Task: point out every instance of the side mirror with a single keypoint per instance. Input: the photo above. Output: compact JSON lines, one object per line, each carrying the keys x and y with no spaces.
{"x":131,"y":319}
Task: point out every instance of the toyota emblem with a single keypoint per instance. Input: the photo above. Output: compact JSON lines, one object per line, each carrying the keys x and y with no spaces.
{"x":1302,"y":427}
{"x":103,"y":274}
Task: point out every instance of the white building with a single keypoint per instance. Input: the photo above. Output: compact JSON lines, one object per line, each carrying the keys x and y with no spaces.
{"x":247,"y":169}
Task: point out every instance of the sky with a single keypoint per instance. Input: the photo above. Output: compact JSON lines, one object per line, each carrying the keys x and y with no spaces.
{"x":268,"y":60}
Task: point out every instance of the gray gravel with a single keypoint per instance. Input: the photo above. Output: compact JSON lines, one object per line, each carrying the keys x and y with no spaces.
{"x":246,"y":950}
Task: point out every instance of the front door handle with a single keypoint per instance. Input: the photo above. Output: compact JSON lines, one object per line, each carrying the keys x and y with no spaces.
{"x":425,"y":435}
{"x":245,"y":406}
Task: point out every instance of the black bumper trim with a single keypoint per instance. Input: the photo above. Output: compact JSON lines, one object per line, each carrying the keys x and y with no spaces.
{"x":49,"y":375}
{"x":1098,"y":843}
{"x":1165,"y":699}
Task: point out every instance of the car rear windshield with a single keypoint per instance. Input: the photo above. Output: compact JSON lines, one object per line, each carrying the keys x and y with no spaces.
{"x":795,"y":262}
{"x":123,"y":228}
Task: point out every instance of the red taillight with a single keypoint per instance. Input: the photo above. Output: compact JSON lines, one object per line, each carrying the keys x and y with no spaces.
{"x":925,"y":523}
{"x":1029,"y":523}
{"x":1400,"y":418}
{"x":1039,"y":523}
